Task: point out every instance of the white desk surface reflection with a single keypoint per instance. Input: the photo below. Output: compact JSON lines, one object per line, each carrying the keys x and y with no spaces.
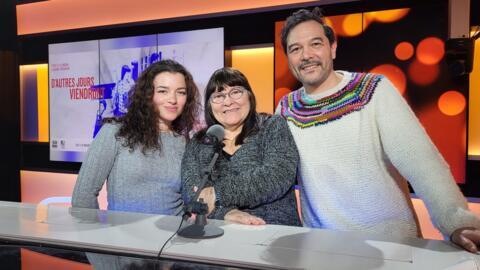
{"x":259,"y":247}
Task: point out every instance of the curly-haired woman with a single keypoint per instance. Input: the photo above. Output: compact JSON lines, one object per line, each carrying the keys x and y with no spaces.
{"x":140,"y":153}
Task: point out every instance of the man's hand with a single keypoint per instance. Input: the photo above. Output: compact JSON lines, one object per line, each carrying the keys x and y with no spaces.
{"x":467,"y":238}
{"x":241,"y":217}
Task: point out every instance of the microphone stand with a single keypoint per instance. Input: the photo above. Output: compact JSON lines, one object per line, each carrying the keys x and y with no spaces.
{"x":200,"y":229}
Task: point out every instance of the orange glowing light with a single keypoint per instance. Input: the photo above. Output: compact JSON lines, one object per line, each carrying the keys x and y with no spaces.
{"x":347,"y":25}
{"x":328,"y":21}
{"x":430,"y":50}
{"x":352,"y":25}
{"x":404,"y":50}
{"x":279,"y":93}
{"x":387,"y":16}
{"x":336,"y":22}
{"x":451,"y":103}
{"x":422,"y":74}
{"x":394,"y":74}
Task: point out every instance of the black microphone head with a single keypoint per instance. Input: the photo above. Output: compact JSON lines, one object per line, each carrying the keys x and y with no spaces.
{"x":216,"y":132}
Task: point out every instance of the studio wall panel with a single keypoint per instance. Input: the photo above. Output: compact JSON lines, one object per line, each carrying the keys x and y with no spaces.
{"x":474,"y":107}
{"x":56,"y":15}
{"x":10,"y":121}
{"x":51,"y":188}
{"x":257,"y":65}
{"x":34,"y":103}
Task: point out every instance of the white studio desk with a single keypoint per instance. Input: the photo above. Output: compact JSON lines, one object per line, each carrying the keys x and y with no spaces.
{"x":256,"y":247}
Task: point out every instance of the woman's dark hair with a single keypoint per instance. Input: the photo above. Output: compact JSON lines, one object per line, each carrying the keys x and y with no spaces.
{"x":139,"y":126}
{"x":230,"y":77}
{"x":304,"y":15}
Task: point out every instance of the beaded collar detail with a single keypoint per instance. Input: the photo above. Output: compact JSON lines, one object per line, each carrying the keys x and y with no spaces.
{"x":304,"y":111}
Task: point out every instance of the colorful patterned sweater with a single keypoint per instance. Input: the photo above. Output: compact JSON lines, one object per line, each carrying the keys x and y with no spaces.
{"x":358,"y":142}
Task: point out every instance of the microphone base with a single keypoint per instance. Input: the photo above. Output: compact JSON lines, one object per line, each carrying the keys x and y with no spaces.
{"x":195,"y":231}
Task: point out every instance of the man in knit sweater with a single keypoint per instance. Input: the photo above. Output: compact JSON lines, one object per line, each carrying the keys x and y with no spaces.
{"x":358,"y":141}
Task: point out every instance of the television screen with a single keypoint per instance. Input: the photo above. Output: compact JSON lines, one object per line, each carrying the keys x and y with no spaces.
{"x":90,"y":80}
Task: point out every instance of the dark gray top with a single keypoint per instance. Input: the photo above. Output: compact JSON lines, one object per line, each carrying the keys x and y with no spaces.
{"x":136,"y":182}
{"x":258,"y":178}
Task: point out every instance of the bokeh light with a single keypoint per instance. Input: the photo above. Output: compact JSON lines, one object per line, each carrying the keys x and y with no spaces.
{"x":422,"y":74}
{"x":430,"y":50}
{"x":451,"y":103}
{"x":279,"y":93}
{"x":386,"y":16}
{"x":352,"y":25}
{"x":394,"y":74}
{"x":404,"y":50}
{"x":336,"y":22}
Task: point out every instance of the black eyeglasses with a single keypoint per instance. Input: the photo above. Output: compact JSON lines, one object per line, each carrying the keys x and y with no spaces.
{"x":235,"y":93}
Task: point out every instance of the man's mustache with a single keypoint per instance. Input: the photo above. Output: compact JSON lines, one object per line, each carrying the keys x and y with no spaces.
{"x":306,"y":63}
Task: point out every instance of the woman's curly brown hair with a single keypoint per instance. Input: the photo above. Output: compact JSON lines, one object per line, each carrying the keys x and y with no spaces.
{"x":139,"y":126}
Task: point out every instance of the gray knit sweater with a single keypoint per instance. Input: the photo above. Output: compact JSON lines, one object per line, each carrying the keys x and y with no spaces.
{"x":258,"y":178}
{"x":136,"y":182}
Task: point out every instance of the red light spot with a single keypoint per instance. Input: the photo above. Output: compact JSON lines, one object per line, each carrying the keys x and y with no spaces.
{"x":394,"y":74}
{"x":404,"y":50}
{"x":422,"y":74}
{"x":336,"y":22}
{"x":451,"y":103}
{"x":430,"y":50}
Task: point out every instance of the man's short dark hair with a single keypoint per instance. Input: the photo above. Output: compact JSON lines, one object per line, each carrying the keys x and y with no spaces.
{"x":304,"y":15}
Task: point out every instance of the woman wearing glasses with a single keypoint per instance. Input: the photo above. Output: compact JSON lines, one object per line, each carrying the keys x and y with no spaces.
{"x":253,"y":179}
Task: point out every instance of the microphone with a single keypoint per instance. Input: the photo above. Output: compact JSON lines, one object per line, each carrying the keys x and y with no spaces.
{"x":200,"y":229}
{"x":214,"y":135}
